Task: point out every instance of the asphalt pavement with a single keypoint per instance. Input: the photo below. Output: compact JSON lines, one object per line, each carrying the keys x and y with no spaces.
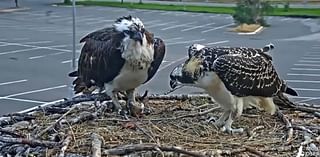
{"x":36,"y":48}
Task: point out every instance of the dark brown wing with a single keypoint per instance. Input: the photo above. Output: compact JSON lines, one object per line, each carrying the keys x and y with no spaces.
{"x":248,"y":76}
{"x":159,"y":53}
{"x":100,"y":35}
{"x":100,"y":60}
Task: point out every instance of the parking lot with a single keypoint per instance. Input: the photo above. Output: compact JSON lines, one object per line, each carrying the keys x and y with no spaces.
{"x":36,"y":49}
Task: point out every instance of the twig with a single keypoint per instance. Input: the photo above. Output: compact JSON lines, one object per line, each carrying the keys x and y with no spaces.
{"x":288,"y":125}
{"x":55,"y":123}
{"x":30,"y":142}
{"x":8,"y":132}
{"x":96,"y":145}
{"x":83,"y":117}
{"x":256,"y":152}
{"x":283,"y":100}
{"x":65,"y":145}
{"x":128,"y":149}
{"x":300,"y":152}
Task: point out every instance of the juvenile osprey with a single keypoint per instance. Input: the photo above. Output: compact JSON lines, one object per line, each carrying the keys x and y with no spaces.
{"x":118,"y":58}
{"x":236,"y":78}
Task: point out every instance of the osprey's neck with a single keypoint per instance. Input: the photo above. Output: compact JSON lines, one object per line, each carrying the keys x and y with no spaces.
{"x":135,"y":53}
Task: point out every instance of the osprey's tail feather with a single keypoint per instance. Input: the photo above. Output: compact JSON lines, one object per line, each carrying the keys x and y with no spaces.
{"x":291,"y":91}
{"x":79,"y":85}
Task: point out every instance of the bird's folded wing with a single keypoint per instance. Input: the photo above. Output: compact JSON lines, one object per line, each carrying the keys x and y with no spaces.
{"x":248,"y":76}
{"x":100,"y":60}
{"x":100,"y":35}
{"x":159,"y":53}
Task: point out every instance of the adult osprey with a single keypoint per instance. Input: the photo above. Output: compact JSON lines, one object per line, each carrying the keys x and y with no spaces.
{"x":118,"y":58}
{"x":236,"y":78}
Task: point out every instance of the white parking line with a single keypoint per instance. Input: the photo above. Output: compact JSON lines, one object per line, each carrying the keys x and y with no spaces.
{"x":68,"y":61}
{"x":309,"y":65}
{"x":311,"y":58}
{"x":171,"y":39}
{"x":36,"y":57}
{"x":37,"y":42}
{"x":35,"y":91}
{"x":302,"y":81}
{"x":307,"y":89}
{"x":12,"y":82}
{"x":166,"y":66}
{"x":24,"y":100}
{"x":306,"y":100}
{"x":176,"y":26}
{"x":199,"y":26}
{"x":305,"y":69}
{"x":308,"y":61}
{"x":16,"y":51}
{"x":311,"y":75}
{"x":312,"y":55}
{"x":150,"y":22}
{"x":39,"y":47}
{"x":218,"y":42}
{"x":185,"y":42}
{"x":215,"y":28}
{"x":100,"y":21}
{"x":160,"y":24}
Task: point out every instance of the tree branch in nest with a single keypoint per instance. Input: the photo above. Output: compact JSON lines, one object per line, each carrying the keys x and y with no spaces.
{"x":282,"y":100}
{"x":55,"y":123}
{"x":96,"y":145}
{"x":256,"y":152}
{"x":30,"y":142}
{"x":11,"y":133}
{"x":65,"y":145}
{"x":185,"y":116}
{"x":288,"y":125}
{"x":128,"y":149}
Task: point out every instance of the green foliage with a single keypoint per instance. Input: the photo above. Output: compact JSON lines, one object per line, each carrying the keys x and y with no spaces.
{"x":286,"y":6}
{"x":252,"y":11}
{"x":67,"y":1}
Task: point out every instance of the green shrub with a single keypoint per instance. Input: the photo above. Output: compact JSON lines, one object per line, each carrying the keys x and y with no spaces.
{"x":67,"y":1}
{"x":252,"y":11}
{"x":286,"y":6}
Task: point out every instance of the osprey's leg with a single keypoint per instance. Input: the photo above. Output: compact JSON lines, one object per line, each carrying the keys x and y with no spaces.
{"x":236,"y":113}
{"x":131,"y":99}
{"x":134,"y":108}
{"x":222,"y":120}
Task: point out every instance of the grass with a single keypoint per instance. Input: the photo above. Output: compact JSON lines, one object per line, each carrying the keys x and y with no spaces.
{"x":299,"y":12}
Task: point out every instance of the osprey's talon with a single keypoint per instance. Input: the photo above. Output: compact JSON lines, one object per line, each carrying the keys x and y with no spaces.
{"x":230,"y":130}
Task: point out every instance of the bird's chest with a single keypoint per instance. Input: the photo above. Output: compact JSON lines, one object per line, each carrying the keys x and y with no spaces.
{"x":130,"y":77}
{"x":216,"y":88}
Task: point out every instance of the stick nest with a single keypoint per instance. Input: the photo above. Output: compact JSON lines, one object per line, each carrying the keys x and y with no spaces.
{"x":174,"y":127}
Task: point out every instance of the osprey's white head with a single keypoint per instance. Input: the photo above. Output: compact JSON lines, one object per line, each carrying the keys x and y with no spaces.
{"x":132,"y":27}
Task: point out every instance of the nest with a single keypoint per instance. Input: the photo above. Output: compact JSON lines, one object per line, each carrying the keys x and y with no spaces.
{"x":176,"y":126}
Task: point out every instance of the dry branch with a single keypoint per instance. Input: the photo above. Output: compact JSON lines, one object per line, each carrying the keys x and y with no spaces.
{"x":65,"y":145}
{"x":96,"y":145}
{"x":55,"y":123}
{"x":256,"y":152}
{"x":30,"y":142}
{"x":288,"y":125}
{"x":11,"y":133}
{"x":128,"y":149}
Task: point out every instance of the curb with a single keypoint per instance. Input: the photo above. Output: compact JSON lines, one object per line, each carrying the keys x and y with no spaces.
{"x":252,"y":33}
{"x":9,"y":10}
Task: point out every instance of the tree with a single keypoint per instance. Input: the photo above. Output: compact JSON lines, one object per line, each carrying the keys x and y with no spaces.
{"x":67,"y":1}
{"x":252,"y":11}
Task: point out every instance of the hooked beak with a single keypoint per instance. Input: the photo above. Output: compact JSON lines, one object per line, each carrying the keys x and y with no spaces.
{"x":137,"y":36}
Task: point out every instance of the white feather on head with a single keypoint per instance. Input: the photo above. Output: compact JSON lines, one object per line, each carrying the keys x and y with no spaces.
{"x":125,"y":22}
